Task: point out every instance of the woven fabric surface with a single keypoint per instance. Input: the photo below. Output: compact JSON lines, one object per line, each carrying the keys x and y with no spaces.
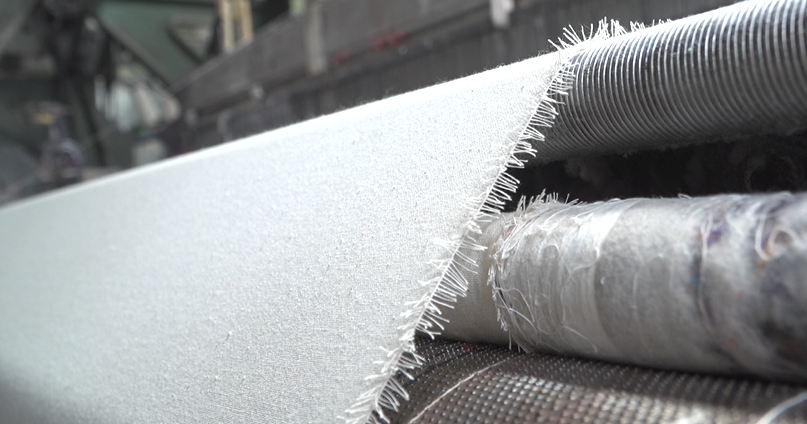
{"x":482,"y":383}
{"x":193,"y":290}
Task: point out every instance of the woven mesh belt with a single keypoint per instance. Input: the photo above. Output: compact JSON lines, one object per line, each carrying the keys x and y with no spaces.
{"x":463,"y":383}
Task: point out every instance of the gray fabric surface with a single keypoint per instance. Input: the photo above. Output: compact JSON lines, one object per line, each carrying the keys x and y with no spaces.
{"x":260,"y":281}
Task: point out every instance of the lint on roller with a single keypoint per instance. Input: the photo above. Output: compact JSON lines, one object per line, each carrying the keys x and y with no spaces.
{"x":711,"y":284}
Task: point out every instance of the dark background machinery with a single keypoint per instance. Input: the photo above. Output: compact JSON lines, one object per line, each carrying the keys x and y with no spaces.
{"x":140,"y":80}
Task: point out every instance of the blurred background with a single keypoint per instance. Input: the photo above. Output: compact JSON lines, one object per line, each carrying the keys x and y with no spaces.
{"x":92,"y":87}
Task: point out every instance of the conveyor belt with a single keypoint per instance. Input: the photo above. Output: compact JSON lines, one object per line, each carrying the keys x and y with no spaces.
{"x":466,"y":383}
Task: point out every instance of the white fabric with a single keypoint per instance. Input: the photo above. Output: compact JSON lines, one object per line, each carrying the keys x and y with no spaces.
{"x":252,"y":282}
{"x":474,"y":318}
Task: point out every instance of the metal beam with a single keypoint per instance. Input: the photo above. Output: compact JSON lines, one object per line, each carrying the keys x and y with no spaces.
{"x":142,"y":27}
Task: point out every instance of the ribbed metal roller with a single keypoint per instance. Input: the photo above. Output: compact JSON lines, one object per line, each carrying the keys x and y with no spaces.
{"x":736,"y":71}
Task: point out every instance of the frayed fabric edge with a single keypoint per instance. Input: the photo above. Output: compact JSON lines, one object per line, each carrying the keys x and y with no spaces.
{"x":424,"y":315}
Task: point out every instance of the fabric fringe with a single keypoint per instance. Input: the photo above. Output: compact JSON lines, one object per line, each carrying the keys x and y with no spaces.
{"x":449,"y":283}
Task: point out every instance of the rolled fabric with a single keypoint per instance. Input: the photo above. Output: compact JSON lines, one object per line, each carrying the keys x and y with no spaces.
{"x":702,"y":284}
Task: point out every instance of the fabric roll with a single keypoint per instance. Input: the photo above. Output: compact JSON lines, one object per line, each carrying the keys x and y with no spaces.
{"x":714,"y":284}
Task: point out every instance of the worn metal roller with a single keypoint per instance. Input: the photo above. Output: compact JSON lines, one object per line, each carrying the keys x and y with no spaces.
{"x":710,"y":284}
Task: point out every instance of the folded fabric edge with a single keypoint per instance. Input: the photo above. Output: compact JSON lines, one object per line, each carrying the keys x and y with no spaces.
{"x":449,"y":281}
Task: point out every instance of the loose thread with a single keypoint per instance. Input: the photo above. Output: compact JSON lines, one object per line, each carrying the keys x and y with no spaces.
{"x":450,"y":283}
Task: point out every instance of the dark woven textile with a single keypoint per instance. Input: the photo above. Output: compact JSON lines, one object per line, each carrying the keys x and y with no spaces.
{"x":474,"y":383}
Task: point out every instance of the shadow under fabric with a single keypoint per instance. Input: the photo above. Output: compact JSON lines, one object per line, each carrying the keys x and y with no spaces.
{"x":282,"y":278}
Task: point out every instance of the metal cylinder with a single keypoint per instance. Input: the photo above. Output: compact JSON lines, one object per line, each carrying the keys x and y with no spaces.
{"x":736,"y":71}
